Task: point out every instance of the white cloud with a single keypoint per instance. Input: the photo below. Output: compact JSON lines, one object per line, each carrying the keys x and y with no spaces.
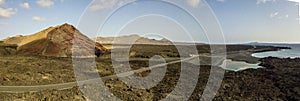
{"x":121,"y":3}
{"x":2,"y":3}
{"x":287,"y":16}
{"x":7,"y":13}
{"x":272,"y":15}
{"x":298,"y":1}
{"x":194,"y":3}
{"x":264,"y":1}
{"x":25,"y":5}
{"x":38,"y":19}
{"x":103,"y":4}
{"x":45,"y":3}
{"x":4,"y":24}
{"x":277,"y":15}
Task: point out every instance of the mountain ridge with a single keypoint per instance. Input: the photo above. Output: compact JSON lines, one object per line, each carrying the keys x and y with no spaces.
{"x":56,"y":41}
{"x":139,"y":40}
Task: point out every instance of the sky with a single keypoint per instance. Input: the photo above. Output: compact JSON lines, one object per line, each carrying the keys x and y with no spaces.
{"x":241,"y":21}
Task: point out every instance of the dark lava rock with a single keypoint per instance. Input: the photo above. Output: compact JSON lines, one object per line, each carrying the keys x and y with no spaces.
{"x":279,"y":80}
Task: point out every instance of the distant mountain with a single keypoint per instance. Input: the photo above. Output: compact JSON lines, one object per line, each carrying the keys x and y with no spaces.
{"x":55,"y":41}
{"x":270,"y":44}
{"x":125,"y":39}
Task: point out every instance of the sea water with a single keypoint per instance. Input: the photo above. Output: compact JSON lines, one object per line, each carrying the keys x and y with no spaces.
{"x":284,"y":53}
{"x":237,"y":65}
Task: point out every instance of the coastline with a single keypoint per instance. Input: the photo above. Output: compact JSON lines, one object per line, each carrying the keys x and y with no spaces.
{"x":246,"y":55}
{"x":277,"y":81}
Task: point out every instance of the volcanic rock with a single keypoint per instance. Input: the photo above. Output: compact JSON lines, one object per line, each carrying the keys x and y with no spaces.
{"x":56,"y":41}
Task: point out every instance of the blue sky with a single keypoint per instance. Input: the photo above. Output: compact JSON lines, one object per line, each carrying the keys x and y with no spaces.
{"x":241,"y":20}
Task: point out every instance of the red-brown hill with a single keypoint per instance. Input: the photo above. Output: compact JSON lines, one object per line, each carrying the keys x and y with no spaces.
{"x":55,"y":41}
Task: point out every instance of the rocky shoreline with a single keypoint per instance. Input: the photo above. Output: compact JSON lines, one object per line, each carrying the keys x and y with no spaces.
{"x":279,"y":80}
{"x":244,"y":52}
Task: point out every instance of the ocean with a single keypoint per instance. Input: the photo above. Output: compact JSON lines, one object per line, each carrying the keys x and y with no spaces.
{"x":285,"y":53}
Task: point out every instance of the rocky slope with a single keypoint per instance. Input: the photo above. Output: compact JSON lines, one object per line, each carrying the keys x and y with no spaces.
{"x":7,"y":49}
{"x":55,"y":41}
{"x":279,"y":81}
